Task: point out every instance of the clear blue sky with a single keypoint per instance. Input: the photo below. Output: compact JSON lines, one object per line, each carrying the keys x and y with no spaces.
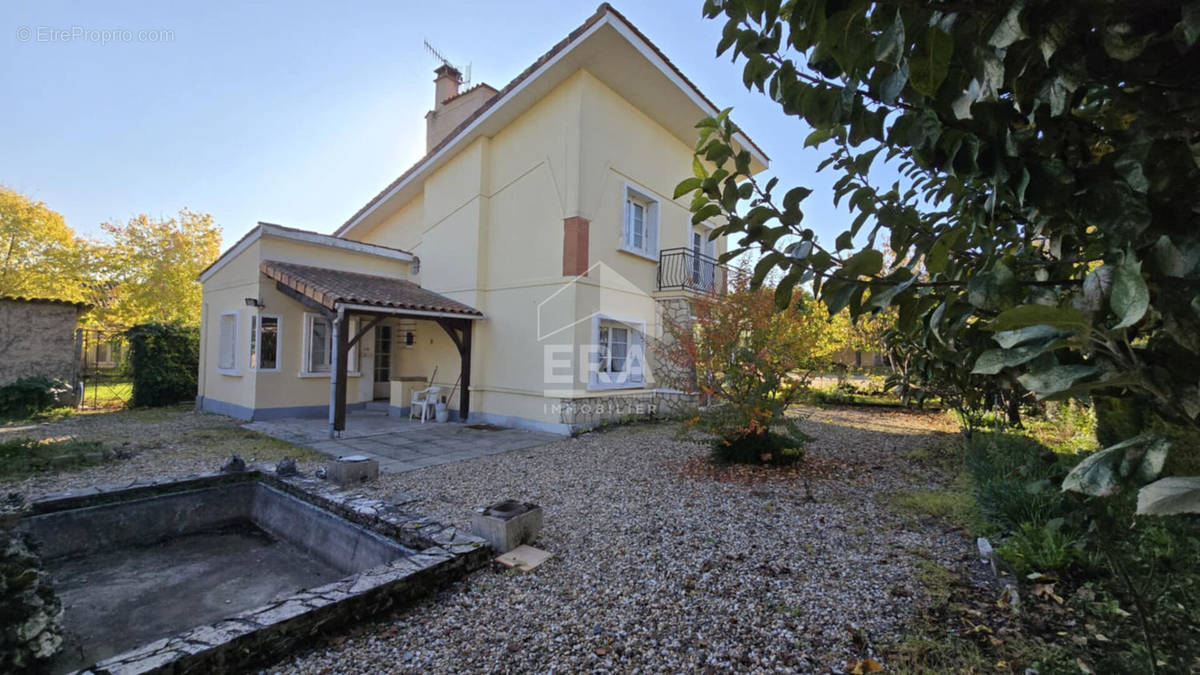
{"x":295,"y":113}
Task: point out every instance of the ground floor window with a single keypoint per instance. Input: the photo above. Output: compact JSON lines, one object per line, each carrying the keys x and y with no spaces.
{"x":264,"y":342}
{"x":619,"y":354}
{"x":227,"y":343}
{"x":318,"y":348}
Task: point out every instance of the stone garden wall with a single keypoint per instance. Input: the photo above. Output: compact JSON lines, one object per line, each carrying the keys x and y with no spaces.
{"x":594,"y":411}
{"x":37,"y":338}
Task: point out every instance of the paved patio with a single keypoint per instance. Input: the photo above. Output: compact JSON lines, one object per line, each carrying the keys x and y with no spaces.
{"x":400,"y":444}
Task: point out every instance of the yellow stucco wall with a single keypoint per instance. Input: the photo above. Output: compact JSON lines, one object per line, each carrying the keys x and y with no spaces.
{"x":286,"y":387}
{"x":488,"y":229}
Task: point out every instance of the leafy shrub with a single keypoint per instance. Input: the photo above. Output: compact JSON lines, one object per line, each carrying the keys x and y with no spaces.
{"x":32,"y":395}
{"x":1118,"y":419}
{"x":1041,"y":547}
{"x":1015,"y":480}
{"x":751,"y":360}
{"x":165,"y":359}
{"x":766,"y":447}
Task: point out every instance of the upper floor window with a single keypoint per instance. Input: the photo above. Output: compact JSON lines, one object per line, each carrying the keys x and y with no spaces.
{"x":640,"y":234}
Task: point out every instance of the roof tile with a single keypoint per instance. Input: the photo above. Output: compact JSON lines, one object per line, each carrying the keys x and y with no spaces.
{"x":330,"y":287}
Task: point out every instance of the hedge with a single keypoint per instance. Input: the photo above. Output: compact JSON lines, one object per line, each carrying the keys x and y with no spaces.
{"x":164,"y":358}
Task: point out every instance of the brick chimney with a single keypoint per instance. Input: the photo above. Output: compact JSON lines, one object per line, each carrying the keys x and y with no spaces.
{"x":451,"y":107}
{"x":445,"y":85}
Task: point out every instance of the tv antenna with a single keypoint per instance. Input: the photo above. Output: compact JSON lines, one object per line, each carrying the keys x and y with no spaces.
{"x":464,"y":73}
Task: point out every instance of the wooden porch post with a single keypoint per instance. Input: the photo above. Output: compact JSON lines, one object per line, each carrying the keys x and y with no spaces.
{"x":464,"y":352}
{"x":337,"y":376}
{"x":459,"y":331}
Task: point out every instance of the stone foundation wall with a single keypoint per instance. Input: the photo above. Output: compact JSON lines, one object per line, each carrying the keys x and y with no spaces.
{"x":677,"y":311}
{"x":36,"y":339}
{"x":593,"y":411}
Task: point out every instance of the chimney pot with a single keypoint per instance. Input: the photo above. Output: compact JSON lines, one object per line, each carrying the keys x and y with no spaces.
{"x":445,"y":84}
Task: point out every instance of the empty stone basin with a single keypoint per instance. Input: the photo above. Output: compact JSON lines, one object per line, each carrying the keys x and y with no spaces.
{"x":218,"y":572}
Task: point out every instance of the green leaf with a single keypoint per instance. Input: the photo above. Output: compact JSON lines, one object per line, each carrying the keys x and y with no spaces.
{"x":783,"y":292}
{"x":1024,"y":316}
{"x":1137,"y":460}
{"x":792,"y":199}
{"x":1056,"y":379}
{"x":1170,"y":496}
{"x":708,"y":211}
{"x":866,"y":262}
{"x":889,"y":46}
{"x":893,"y":84}
{"x":931,"y":61}
{"x":995,"y":360}
{"x":1009,"y":30}
{"x":1130,"y":298}
{"x":1011,"y":338}
{"x":686,"y":186}
{"x":1190,"y":24}
{"x":1096,"y":287}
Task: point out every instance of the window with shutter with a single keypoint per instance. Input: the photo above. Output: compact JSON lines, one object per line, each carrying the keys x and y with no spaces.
{"x":618,"y":355}
{"x":640,"y":231}
{"x":227,"y":343}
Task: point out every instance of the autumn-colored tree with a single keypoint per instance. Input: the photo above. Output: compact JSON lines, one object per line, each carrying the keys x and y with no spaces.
{"x":748,"y":361}
{"x":150,"y":268}
{"x":38,"y":251}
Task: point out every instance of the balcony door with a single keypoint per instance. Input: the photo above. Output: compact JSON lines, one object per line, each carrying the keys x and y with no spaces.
{"x":703,"y":269}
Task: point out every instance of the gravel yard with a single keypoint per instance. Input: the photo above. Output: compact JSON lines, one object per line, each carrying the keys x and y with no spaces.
{"x":149,"y":443}
{"x":663,"y":567}
{"x":662,"y":563}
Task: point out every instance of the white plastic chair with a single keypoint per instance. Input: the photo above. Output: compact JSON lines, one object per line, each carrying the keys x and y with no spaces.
{"x":422,"y":401}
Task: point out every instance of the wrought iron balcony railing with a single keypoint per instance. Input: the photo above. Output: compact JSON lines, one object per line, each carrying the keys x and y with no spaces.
{"x":684,"y":269}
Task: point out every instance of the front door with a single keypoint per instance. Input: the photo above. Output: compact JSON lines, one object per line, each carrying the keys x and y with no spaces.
{"x":383,"y":361}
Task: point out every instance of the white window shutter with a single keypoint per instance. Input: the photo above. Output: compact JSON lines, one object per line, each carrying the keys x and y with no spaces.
{"x":637,"y":356}
{"x":228,"y":342}
{"x":626,"y":235}
{"x":652,"y":231}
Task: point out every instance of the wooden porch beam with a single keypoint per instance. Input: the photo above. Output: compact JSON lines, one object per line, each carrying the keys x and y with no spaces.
{"x":452,"y":327}
{"x":304,"y":300}
{"x":363,"y":331}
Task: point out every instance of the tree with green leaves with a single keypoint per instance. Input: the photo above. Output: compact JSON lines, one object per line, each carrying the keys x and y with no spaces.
{"x":151,"y":266}
{"x":1048,"y":156}
{"x":38,"y":251}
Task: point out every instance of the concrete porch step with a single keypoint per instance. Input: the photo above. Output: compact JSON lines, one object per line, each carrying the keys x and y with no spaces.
{"x":377,"y":406}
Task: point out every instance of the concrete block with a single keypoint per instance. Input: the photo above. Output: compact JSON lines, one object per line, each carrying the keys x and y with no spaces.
{"x":352,"y":469}
{"x":508,"y":524}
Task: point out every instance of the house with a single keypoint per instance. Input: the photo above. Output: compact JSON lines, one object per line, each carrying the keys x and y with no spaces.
{"x":37,"y":338}
{"x":522,"y":265}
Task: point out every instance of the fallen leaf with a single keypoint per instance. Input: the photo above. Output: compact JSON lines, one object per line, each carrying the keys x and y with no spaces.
{"x":601,"y":651}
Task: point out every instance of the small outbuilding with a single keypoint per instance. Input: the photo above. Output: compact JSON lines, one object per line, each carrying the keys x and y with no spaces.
{"x":37,"y":338}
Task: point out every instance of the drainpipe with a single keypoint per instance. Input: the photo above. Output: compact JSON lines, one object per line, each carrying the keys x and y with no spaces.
{"x":333,"y":367}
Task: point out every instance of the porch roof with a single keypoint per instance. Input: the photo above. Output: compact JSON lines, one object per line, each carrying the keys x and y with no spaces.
{"x":330,"y":288}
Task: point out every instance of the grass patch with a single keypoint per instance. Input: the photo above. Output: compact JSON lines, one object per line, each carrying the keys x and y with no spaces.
{"x":23,"y":457}
{"x":954,"y":507}
{"x":107,"y":394}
